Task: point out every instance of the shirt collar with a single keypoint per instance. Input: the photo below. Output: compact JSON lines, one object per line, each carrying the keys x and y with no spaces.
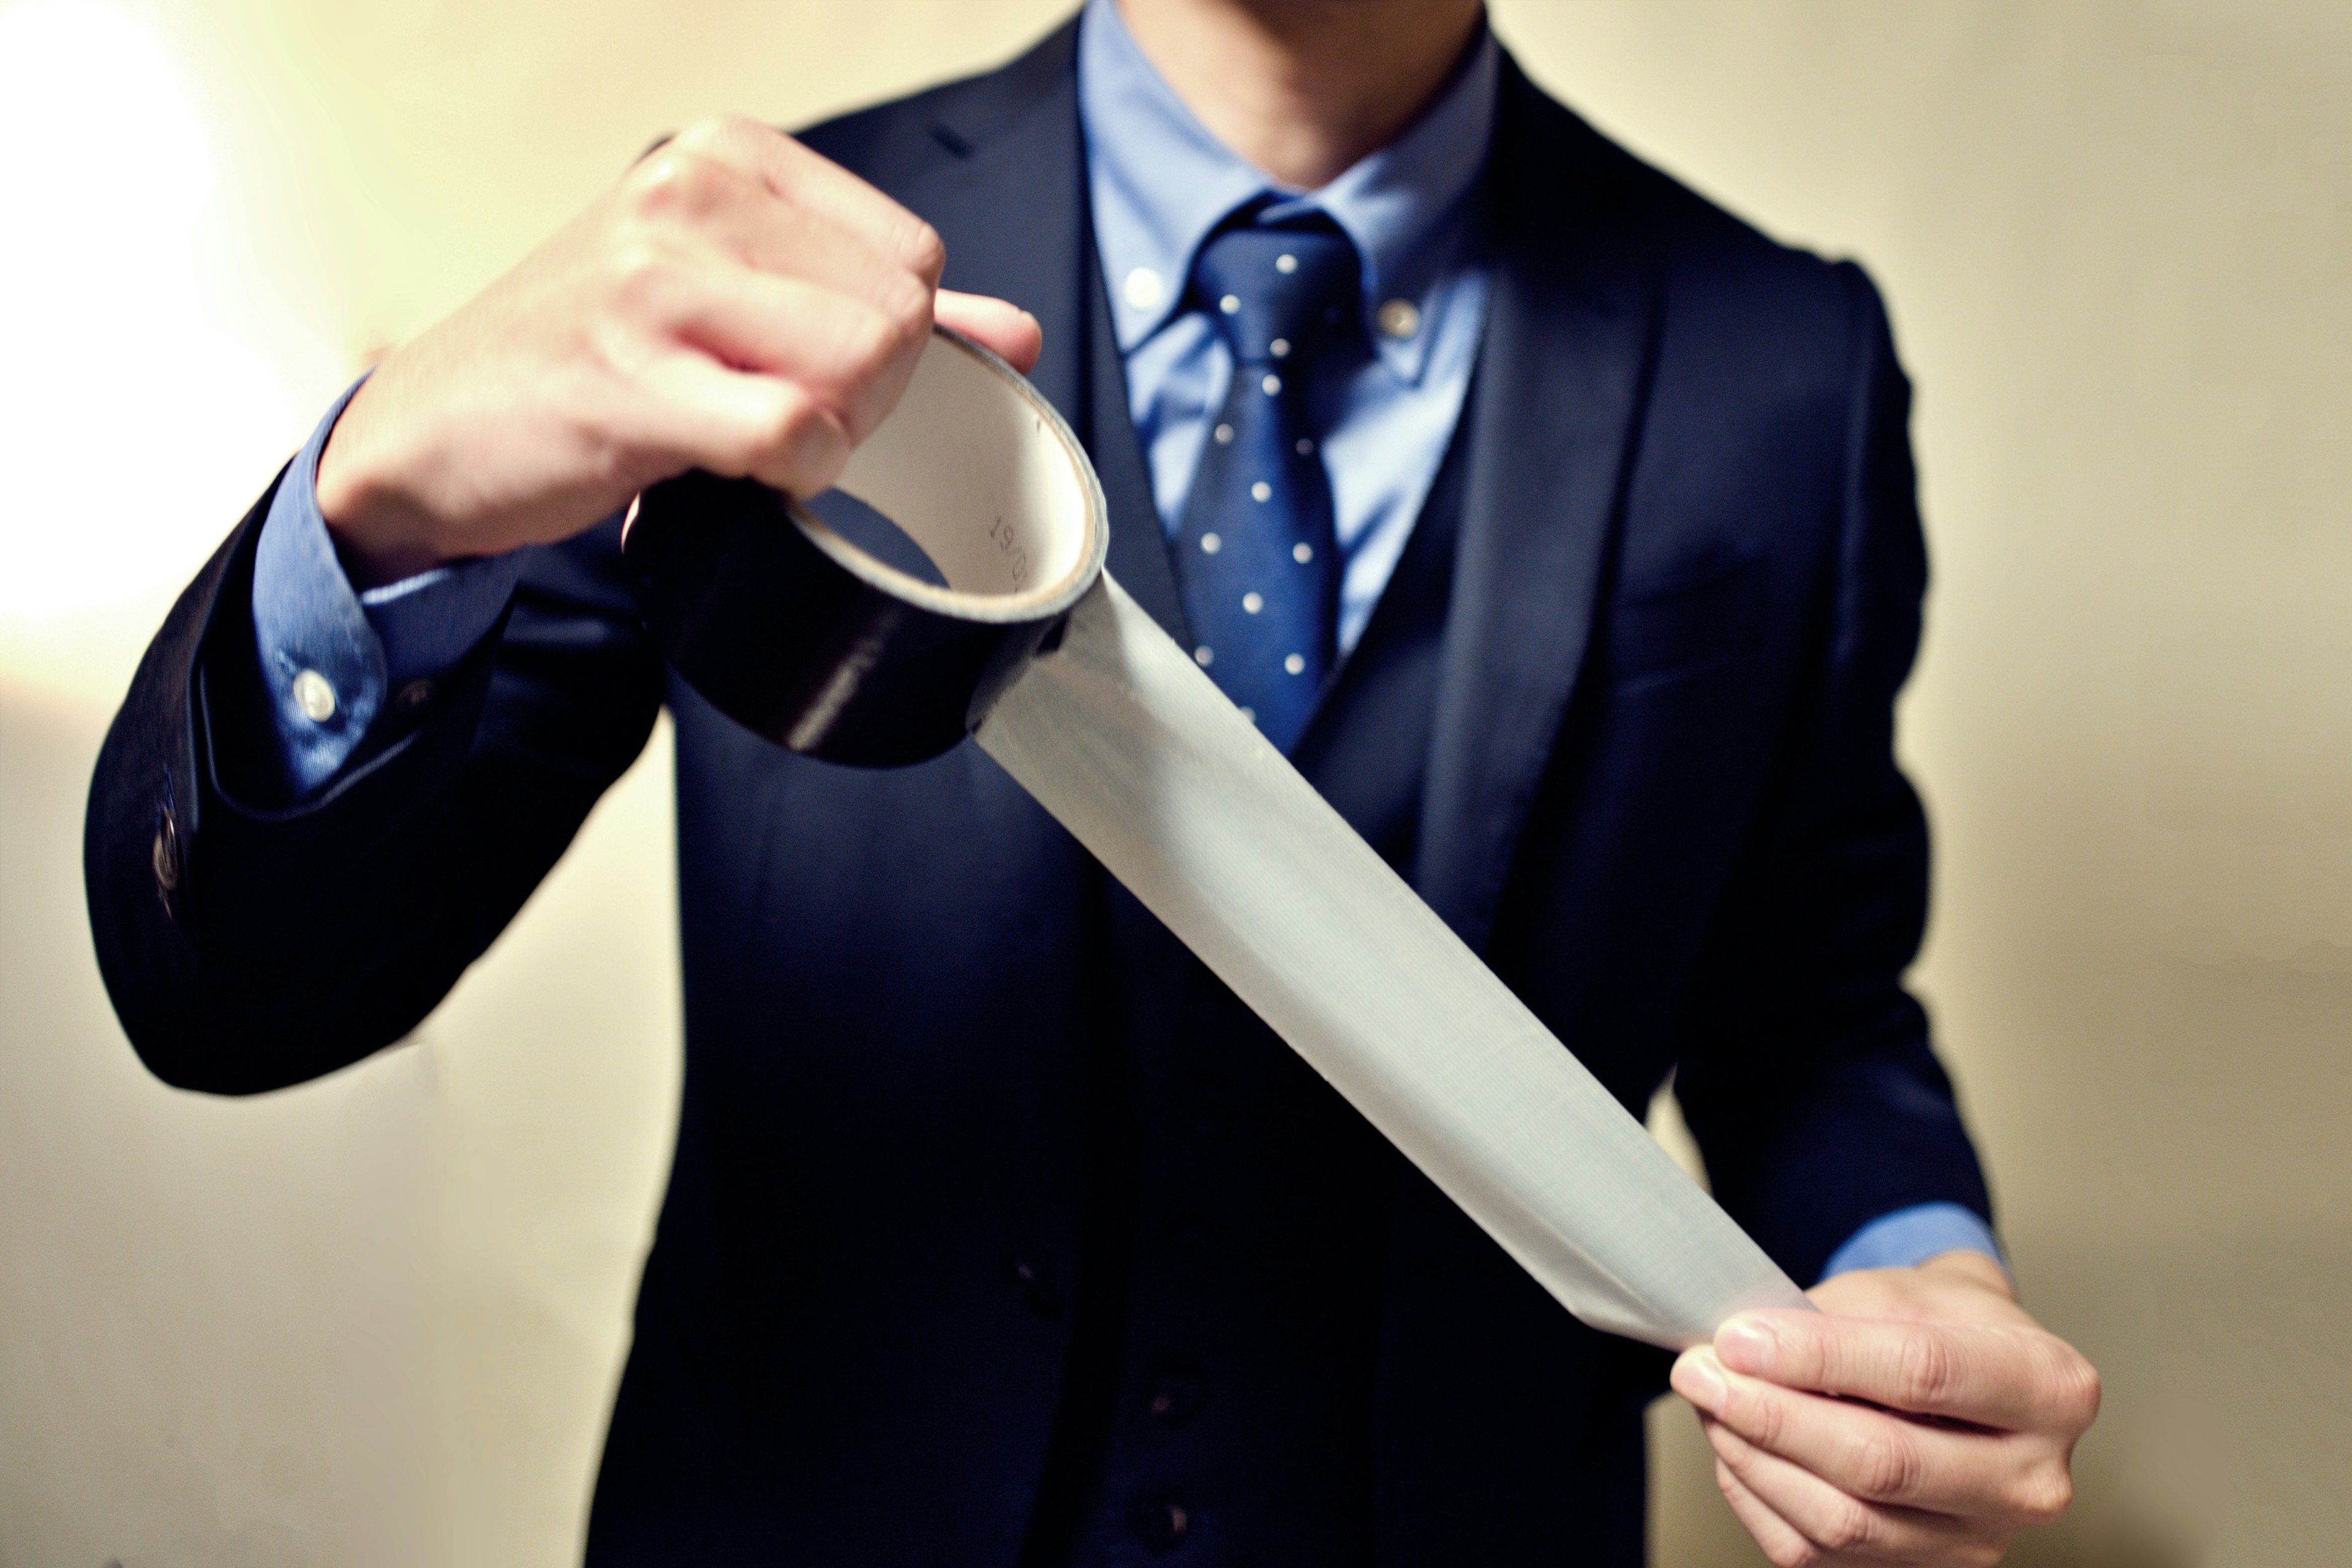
{"x":1160,"y":182}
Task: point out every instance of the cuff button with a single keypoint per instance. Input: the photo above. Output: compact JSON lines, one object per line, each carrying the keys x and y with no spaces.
{"x":314,"y":697}
{"x":164,"y":855}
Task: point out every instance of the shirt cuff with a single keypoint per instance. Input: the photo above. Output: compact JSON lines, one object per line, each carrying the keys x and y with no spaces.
{"x":1909,"y":1237}
{"x":332,"y":659}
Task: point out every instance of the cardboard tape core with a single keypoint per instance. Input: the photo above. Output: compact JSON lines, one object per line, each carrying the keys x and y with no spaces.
{"x":976,"y":468}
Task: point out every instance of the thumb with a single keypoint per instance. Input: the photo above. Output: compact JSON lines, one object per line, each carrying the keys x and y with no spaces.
{"x":1003,"y":328}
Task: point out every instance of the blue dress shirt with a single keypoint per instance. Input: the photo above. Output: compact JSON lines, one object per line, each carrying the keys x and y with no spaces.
{"x":334,"y":660}
{"x":1160,"y":181}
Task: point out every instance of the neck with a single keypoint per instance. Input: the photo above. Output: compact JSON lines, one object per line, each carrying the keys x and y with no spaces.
{"x":1303,"y":89}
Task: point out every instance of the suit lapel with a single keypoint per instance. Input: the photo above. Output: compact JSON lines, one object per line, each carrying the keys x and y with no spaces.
{"x":1562,"y":379}
{"x":1010,"y":203}
{"x":1139,"y":544}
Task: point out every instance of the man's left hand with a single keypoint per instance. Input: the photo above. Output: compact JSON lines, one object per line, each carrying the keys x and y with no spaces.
{"x":1921,"y":1416}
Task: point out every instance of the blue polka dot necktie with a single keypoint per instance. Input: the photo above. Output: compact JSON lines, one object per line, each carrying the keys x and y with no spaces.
{"x":1256,"y":559}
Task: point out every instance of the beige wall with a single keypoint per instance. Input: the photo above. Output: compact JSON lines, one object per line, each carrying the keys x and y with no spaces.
{"x":375,"y":1320}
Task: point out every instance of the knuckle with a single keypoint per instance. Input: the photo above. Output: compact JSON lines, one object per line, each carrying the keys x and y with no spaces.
{"x":764,"y":435}
{"x":675,"y":181}
{"x":2078,"y":1389}
{"x":1848,"y":1527}
{"x":1928,"y":1372}
{"x":1793,"y":1553}
{"x":907,"y":305}
{"x":1762,"y":1418}
{"x":799,"y":444}
{"x":2044,"y":1493}
{"x":1886,"y":1466}
{"x":641,"y":274}
{"x":926,"y":254}
{"x":712,"y":131}
{"x":870,"y":341}
{"x":1731,"y":1449}
{"x":786,"y":424}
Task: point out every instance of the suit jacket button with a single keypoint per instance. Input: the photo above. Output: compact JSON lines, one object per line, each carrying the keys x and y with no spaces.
{"x":1161,"y":1523}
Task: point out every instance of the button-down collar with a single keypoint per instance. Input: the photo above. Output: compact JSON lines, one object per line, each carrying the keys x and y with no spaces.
{"x":1160,"y":182}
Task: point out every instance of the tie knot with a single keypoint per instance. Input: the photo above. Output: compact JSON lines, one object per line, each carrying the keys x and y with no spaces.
{"x":1272,"y":290}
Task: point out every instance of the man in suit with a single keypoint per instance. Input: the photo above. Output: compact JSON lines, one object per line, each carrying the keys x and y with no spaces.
{"x":1560,"y":526}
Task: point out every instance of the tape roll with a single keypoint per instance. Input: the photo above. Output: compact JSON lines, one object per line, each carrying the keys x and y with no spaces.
{"x":1080,"y":696}
{"x":792,"y":631}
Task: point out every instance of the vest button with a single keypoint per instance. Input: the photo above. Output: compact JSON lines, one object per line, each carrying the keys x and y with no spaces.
{"x":1036,"y":1291}
{"x":1176,"y":1394}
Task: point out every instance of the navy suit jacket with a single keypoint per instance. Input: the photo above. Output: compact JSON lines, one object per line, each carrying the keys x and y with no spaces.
{"x":1658,"y":794}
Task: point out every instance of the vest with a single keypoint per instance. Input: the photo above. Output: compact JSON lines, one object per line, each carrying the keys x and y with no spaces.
{"x":1225,"y":1332}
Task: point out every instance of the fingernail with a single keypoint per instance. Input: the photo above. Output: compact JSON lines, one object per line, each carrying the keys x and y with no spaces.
{"x":1746,"y":1345}
{"x":1696,"y":1379}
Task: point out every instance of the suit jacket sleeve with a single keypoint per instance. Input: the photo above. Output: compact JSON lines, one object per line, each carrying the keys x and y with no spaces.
{"x":248,"y":948}
{"x":1806,"y":1072}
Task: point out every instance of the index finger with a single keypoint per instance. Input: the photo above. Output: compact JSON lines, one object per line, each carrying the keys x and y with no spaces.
{"x":2012,"y":1379}
{"x":818,"y":186}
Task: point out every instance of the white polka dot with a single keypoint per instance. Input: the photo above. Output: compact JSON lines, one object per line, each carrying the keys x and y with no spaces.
{"x":1397,"y":319}
{"x":1225,"y":434}
{"x":1144,"y":289}
{"x":1279,"y":348}
{"x":1273,"y":384}
{"x":1302,"y":553}
{"x":1261,"y":492}
{"x":1252,"y":604}
{"x":1230,"y":303}
{"x":1303,"y":447}
{"x":314,"y":697}
{"x":1250,"y":715}
{"x":1202,"y":655}
{"x":1296,"y":664}
{"x":1285,"y":264}
{"x":1210,"y":544}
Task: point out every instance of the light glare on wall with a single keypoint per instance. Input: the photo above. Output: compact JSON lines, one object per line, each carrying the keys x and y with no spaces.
{"x":137,"y":413}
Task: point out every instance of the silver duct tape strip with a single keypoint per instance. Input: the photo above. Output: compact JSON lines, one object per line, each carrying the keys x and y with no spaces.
{"x":795,"y":632}
{"x":1121,"y":737}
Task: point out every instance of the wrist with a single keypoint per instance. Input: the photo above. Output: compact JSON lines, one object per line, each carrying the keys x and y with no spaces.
{"x":381,"y":534}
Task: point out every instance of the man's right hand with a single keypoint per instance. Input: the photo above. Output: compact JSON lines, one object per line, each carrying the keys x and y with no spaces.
{"x":735,"y":303}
